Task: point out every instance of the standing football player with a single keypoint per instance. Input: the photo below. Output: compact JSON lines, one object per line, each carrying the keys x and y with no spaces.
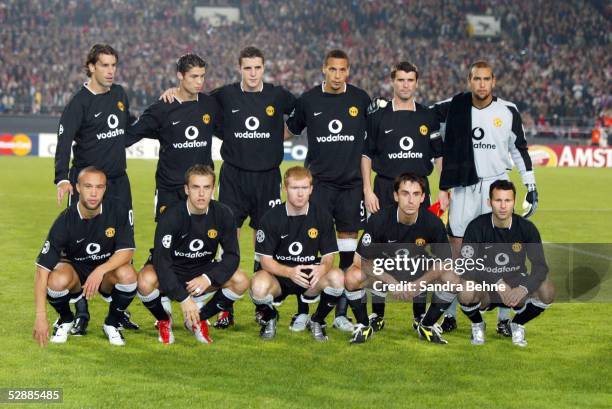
{"x":95,"y":120}
{"x":403,"y":137}
{"x":482,"y":133}
{"x":89,"y":248}
{"x":335,"y":115}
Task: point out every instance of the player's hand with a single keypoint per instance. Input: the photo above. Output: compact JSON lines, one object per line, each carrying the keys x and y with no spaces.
{"x":191,"y":312}
{"x":169,"y":95}
{"x":444,"y":199}
{"x":41,"y":330}
{"x":530,"y":204}
{"x":515,"y":296}
{"x":403,"y":295}
{"x":503,"y":289}
{"x":315,"y":275}
{"x":92,"y":284}
{"x":62,"y":189}
{"x":371,"y":202}
{"x":299,"y":277}
{"x":198,"y":286}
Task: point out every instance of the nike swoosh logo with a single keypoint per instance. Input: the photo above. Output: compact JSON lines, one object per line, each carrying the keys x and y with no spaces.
{"x":235,"y":110}
{"x":282,"y":237}
{"x":98,"y":114}
{"x":184,"y":235}
{"x":78,"y":241}
{"x":388,"y":130}
{"x":488,"y":247}
{"x":317,"y":113}
{"x":177,"y":122}
{"x":391,"y":241}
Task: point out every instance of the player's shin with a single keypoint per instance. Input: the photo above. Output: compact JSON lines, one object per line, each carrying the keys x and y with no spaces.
{"x":533,"y":307}
{"x":329,"y":298}
{"x":122,"y":296}
{"x":60,"y":300}
{"x":80,"y":305}
{"x":419,"y":306}
{"x":472,"y":311}
{"x":221,"y":301}
{"x":358,"y":302}
{"x":264,"y":310}
{"x":378,"y":302}
{"x":440,"y":301}
{"x":154,"y":305}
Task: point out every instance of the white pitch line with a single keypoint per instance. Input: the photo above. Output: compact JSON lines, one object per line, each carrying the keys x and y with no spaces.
{"x":585,"y":252}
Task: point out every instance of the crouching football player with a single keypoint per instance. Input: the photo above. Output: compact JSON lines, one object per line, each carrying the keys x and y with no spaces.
{"x":408,"y":224}
{"x":184,"y":267}
{"x":89,"y":248}
{"x":290,"y":240}
{"x":504,"y":240}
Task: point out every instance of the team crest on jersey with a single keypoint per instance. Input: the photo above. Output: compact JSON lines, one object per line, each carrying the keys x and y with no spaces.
{"x":353,"y":111}
{"x":313,"y":233}
{"x":46,"y":247}
{"x":162,"y":209}
{"x":423,"y":129}
{"x":497,"y":122}
{"x":420,"y":242}
{"x":212,"y":234}
{"x":206,"y":119}
{"x":516,"y":247}
{"x":120,"y":106}
{"x":260,"y":236}
{"x":270,"y":110}
{"x":110,"y":232}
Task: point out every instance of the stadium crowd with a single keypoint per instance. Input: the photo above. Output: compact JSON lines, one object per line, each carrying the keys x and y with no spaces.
{"x":552,"y":58}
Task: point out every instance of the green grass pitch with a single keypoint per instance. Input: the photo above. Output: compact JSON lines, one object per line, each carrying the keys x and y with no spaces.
{"x":568,"y":363}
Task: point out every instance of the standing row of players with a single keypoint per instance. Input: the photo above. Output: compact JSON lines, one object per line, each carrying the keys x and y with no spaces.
{"x":346,"y":132}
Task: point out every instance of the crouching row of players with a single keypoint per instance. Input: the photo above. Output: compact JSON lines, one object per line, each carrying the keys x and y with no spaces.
{"x":90,"y":246}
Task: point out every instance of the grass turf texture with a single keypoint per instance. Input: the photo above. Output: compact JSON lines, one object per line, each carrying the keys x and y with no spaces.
{"x":566,"y":365}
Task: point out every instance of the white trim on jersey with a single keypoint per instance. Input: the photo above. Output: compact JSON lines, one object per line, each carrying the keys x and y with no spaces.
{"x":323,"y":88}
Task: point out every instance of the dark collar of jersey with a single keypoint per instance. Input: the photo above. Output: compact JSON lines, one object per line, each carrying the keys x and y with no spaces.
{"x":459,"y":168}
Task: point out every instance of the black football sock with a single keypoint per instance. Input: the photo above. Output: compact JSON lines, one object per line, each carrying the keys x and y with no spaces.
{"x":302,"y":307}
{"x":472,"y":311}
{"x":60,"y":300}
{"x":122,"y":295}
{"x":378,"y":302}
{"x":81,"y":307}
{"x":359,"y":304}
{"x":221,"y":301}
{"x":532,"y":309}
{"x":440,"y":300}
{"x":154,"y":304}
{"x":264,"y":307}
{"x":419,"y":305}
{"x":329,"y":298}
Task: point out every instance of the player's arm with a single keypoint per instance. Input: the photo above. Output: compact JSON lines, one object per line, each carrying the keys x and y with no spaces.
{"x":436,"y":146}
{"x":296,"y":122}
{"x":69,"y":124}
{"x":147,"y":126}
{"x":165,"y":236}
{"x":328,"y":247}
{"x":231,"y":253}
{"x":520,"y":156}
{"x":371,"y":201}
{"x":46,"y":261}
{"x":288,"y":103}
{"x":535,"y":254}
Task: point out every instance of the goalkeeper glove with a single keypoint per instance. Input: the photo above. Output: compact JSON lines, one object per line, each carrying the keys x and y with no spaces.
{"x":530,"y":204}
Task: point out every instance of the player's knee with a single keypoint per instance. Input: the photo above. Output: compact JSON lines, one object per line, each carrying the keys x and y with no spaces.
{"x":239,"y":282}
{"x":335,"y":278}
{"x":261,"y":284}
{"x":353,"y":279}
{"x":546,"y":292}
{"x":59,"y":280}
{"x":125,"y":274}
{"x":467,"y":297}
{"x":147,"y":280}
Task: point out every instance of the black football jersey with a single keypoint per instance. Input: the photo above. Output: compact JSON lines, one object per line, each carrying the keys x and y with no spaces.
{"x":184,"y":130}
{"x":96,"y":123}
{"x":295,"y":240}
{"x":253,"y":125}
{"x":504,"y":251}
{"x":186,"y":243}
{"x":403,"y":141}
{"x":384,"y":227}
{"x":336,"y":132}
{"x":89,"y":242}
